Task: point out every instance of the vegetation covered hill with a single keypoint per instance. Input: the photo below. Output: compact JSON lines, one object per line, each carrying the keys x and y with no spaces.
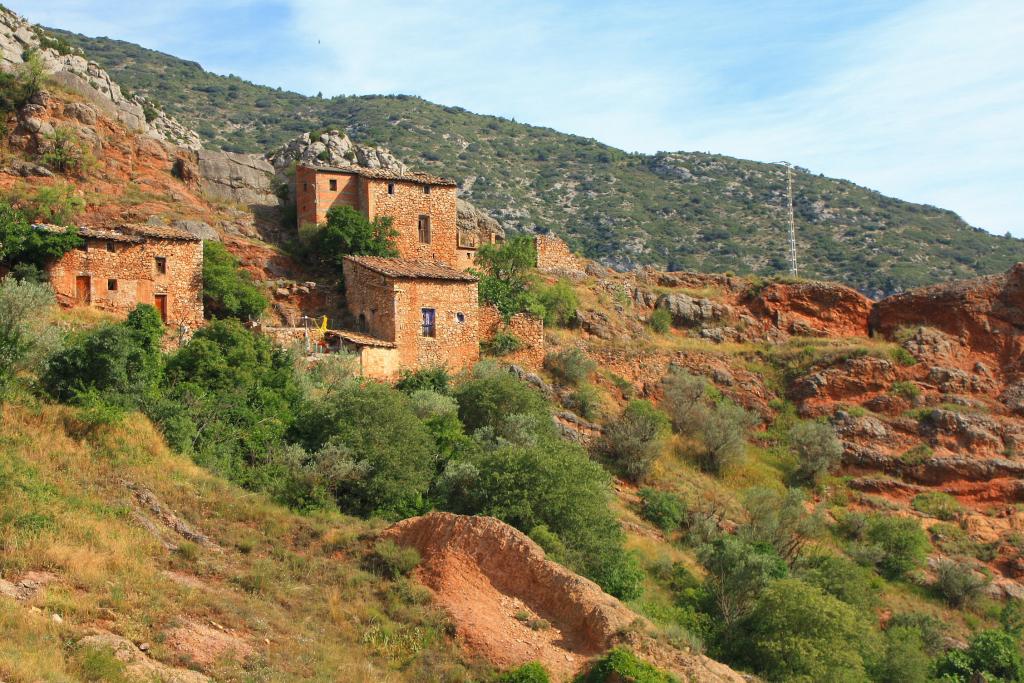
{"x":691,"y":211}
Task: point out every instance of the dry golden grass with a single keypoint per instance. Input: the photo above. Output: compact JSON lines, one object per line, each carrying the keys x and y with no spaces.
{"x":290,"y":585}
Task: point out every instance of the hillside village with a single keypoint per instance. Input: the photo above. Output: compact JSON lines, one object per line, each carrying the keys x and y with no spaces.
{"x":463,"y":453}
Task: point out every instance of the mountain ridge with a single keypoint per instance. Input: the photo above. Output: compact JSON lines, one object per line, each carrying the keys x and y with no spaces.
{"x":673,"y":210}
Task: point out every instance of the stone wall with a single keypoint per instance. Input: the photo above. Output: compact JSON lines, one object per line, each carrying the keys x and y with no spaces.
{"x":554,"y":256}
{"x":132,"y":272}
{"x":527,"y":328}
{"x":405,"y":207}
{"x":390,"y":308}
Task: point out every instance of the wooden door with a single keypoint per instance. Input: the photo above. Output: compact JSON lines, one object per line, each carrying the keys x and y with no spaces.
{"x":83,"y":289}
{"x":160,"y":301}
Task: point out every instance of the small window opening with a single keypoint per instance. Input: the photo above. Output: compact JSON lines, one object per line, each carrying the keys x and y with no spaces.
{"x":429,"y":326}
{"x":426,"y":189}
{"x":391,"y":188}
{"x":161,"y":265}
{"x":362,"y":322}
{"x":424,"y":229}
{"x":305,"y":187}
{"x":334,"y":184}
{"x":460,"y":317}
{"x":112,"y":285}
{"x":111,"y":247}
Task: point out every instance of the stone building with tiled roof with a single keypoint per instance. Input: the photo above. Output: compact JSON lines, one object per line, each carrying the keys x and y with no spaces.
{"x":117,"y":268}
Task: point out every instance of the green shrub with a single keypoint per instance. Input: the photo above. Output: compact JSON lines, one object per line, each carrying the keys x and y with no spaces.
{"x":840,"y":578}
{"x":65,"y":152}
{"x":99,"y":666}
{"x":619,"y":664}
{"x":684,"y":399}
{"x":660,"y":320}
{"x":905,"y":389}
{"x":937,"y":504}
{"x":902,"y":544}
{"x":818,"y":450}
{"x":918,"y":454}
{"x":958,"y":583}
{"x":779,"y":519}
{"x":570,"y":366}
{"x":531,"y":672}
{"x":21,"y":244}
{"x":737,"y":573}
{"x":348,"y":232}
{"x":585,"y":401}
{"x":723,"y":431}
{"x":491,"y":396}
{"x":502,"y":344}
{"x":635,"y":439}
{"x":393,"y":560}
{"x":902,"y":357}
{"x":25,"y":339}
{"x":662,"y":508}
{"x":797,"y":632}
{"x":990,"y":655}
{"x":903,"y":658}
{"x":435,"y":379}
{"x":228,"y":290}
{"x":560,"y":303}
{"x":120,"y":361}
{"x":59,"y":204}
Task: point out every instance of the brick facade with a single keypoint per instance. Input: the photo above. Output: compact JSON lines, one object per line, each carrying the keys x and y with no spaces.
{"x":554,"y":256}
{"x":388,"y":298}
{"x":117,"y":269}
{"x":527,"y":328}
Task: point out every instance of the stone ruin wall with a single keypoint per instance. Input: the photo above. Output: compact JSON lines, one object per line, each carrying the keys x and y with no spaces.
{"x":554,"y":257}
{"x":527,"y":328}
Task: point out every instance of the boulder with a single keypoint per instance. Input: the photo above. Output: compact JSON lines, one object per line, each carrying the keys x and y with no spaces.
{"x":243,"y":178}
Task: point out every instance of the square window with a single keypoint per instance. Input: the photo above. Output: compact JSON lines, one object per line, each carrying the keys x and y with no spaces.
{"x":111,"y":247}
{"x":429,"y":325}
{"x":111,"y":285}
{"x":334,"y":184}
{"x":391,"y":188}
{"x":460,"y":318}
{"x":424,"y":229}
{"x":161,"y":265}
{"x":426,"y":189}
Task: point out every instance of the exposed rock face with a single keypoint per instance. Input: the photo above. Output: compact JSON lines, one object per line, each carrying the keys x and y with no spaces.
{"x":822,"y":308}
{"x":985,"y":314}
{"x":688,"y":311}
{"x":471,"y":219}
{"x":484,"y":572}
{"x":139,"y":666}
{"x":86,"y":78}
{"x":243,"y":178}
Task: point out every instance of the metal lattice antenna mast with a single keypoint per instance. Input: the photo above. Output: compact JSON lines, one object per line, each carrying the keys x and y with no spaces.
{"x":794,"y":270}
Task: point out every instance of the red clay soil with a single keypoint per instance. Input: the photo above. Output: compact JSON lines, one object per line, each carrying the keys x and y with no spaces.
{"x":824,"y":308}
{"x":511,"y":605}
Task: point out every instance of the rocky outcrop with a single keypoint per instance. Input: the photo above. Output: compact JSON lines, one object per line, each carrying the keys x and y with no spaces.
{"x":471,"y":219}
{"x":985,"y":314}
{"x":493,"y":580}
{"x":333,"y":148}
{"x":813,"y":308}
{"x":688,"y":311}
{"x":228,"y":176}
{"x":77,"y":74}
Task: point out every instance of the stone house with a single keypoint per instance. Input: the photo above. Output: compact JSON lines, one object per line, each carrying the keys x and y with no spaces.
{"x":427,"y":309}
{"x":117,"y":268}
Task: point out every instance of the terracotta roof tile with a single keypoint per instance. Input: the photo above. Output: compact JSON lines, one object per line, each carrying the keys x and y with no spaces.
{"x":124,"y":233}
{"x":406,"y":268}
{"x":360,"y":339}
{"x":95,"y":233}
{"x":159,"y":231}
{"x":384,"y":174}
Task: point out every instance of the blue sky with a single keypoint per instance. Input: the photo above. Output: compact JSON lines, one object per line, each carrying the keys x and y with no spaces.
{"x":922,"y":100}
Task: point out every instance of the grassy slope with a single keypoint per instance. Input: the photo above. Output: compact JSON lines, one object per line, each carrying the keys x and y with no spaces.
{"x":625,"y":209}
{"x":291,"y":585}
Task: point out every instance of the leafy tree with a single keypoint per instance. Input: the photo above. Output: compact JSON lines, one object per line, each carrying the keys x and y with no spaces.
{"x":902,"y":544}
{"x":797,"y":632}
{"x":635,"y":439}
{"x":376,"y":426}
{"x":228,"y":290}
{"x":505,"y":276}
{"x":122,"y":362}
{"x":24,"y":82}
{"x":59,"y":203}
{"x":723,"y":430}
{"x":840,"y":578}
{"x":684,"y":399}
{"x":957,"y":582}
{"x":65,"y":152}
{"x":779,"y":520}
{"x":348,"y":232}
{"x":737,"y":574}
{"x":23,"y":334}
{"x":491,"y":396}
{"x":21,"y":244}
{"x":903,"y":658}
{"x":993,"y":653}
{"x":435,"y":379}
{"x":818,"y":450}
